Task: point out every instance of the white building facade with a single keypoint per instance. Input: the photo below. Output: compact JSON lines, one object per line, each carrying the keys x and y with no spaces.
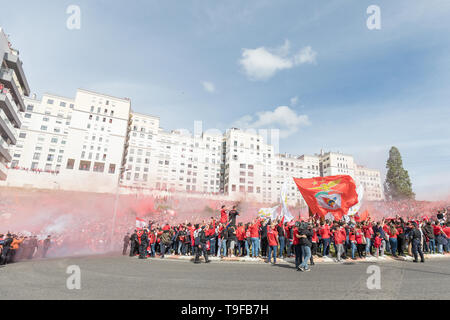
{"x":85,"y":143}
{"x":71,"y":144}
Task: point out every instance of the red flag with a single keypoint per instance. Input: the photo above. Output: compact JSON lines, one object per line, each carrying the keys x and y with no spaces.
{"x":335,"y":194}
{"x":362,"y":217}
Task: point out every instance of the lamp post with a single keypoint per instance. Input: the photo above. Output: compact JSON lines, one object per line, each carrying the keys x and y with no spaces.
{"x":116,"y":202}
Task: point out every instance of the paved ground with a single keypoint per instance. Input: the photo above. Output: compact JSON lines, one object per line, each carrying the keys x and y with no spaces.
{"x":117,"y":277}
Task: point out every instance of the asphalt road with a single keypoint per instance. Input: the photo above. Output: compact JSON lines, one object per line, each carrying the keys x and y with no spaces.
{"x":117,"y":277}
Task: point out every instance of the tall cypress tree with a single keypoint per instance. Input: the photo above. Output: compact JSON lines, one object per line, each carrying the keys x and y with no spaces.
{"x":397,"y":185}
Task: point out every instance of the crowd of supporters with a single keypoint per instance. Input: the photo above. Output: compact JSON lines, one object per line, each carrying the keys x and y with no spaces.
{"x":14,"y":247}
{"x":235,"y":234}
{"x":303,"y":239}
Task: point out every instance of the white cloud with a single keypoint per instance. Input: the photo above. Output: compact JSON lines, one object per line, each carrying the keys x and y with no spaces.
{"x":306,"y":55}
{"x":209,"y":86}
{"x":262,"y":63}
{"x":283,"y":118}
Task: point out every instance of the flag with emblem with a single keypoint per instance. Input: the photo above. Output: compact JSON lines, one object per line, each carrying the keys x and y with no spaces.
{"x":268,"y":213}
{"x":335,"y":194}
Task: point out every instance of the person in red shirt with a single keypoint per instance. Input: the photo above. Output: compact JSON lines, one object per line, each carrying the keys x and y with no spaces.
{"x":315,"y":241}
{"x":152,"y":242}
{"x":447,"y":230}
{"x":393,"y":232}
{"x":297,"y":247}
{"x":352,"y":239}
{"x":377,"y":244}
{"x":223,"y":215}
{"x":272,"y":239}
{"x":254,"y":237}
{"x":325,"y":233}
{"x":339,"y":238}
{"x":360,"y":240}
{"x":247,"y":240}
{"x":368,"y":233}
{"x":240,"y":235}
{"x":211,"y":233}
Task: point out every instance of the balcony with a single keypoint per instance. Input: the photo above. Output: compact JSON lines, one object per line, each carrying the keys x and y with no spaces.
{"x":4,"y":151}
{"x":2,"y":172}
{"x":6,"y":128}
{"x":10,"y":109}
{"x":13,"y":62}
{"x":7,"y":79}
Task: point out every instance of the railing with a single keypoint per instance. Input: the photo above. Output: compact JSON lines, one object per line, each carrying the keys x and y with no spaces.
{"x":8,"y":123}
{"x":3,"y":144}
{"x":6,"y":92}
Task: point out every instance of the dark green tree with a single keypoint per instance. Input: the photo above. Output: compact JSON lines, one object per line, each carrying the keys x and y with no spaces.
{"x":397,"y":185}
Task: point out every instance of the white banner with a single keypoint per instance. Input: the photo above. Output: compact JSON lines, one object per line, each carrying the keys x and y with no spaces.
{"x":284,"y":206}
{"x":353,"y":210}
{"x":140,"y":223}
{"x":268,"y":213}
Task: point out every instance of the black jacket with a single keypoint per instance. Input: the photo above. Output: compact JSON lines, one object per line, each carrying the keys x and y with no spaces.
{"x":305,"y":241}
{"x":415,"y":234}
{"x":428,"y":231}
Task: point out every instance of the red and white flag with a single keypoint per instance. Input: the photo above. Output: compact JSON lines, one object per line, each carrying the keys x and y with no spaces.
{"x":335,"y":194}
{"x":140,"y":223}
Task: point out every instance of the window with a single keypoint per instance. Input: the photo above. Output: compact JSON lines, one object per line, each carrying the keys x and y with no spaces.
{"x":85,"y":165}
{"x":54,"y":140}
{"x":36,"y":156}
{"x":44,"y":128}
{"x":50,"y":157}
{"x":112,"y":168}
{"x":27,"y":115}
{"x":62,"y":104}
{"x":50,"y":101}
{"x":30,"y":107}
{"x":22,"y":135}
{"x":70,"y":163}
{"x":99,"y":167}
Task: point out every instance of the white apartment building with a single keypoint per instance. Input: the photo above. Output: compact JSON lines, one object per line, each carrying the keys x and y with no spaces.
{"x":293,"y":166}
{"x":371,"y":181}
{"x":84,"y":143}
{"x":140,"y":153}
{"x":13,"y":86}
{"x":336,"y":163}
{"x":71,"y":144}
{"x":171,"y":161}
{"x":249,"y":166}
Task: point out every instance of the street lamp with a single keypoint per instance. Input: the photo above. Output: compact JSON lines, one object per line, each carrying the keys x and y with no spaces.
{"x":116,"y":201}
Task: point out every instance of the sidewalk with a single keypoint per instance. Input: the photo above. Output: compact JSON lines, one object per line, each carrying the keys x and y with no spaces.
{"x":317,"y":260}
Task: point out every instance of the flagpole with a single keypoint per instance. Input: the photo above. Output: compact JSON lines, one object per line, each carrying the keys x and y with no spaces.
{"x":116,"y":202}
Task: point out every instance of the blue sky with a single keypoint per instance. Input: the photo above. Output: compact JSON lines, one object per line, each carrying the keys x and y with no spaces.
{"x":310,"y":68}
